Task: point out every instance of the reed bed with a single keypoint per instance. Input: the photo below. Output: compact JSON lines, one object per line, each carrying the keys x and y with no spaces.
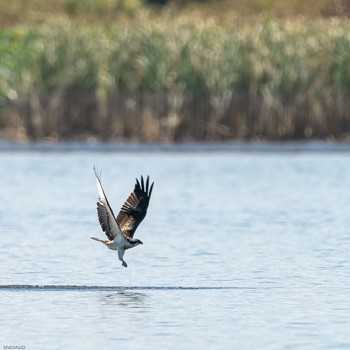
{"x":182,"y":79}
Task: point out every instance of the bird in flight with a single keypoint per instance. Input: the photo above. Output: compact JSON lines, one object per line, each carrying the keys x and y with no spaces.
{"x":120,"y":230}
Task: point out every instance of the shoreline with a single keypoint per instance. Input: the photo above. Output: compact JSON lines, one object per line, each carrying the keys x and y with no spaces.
{"x":314,"y":146}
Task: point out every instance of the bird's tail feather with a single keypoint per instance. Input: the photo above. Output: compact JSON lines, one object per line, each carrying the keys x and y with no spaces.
{"x":99,"y":240}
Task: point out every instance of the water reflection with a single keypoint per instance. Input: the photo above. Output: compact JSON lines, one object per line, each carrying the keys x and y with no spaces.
{"x":129,"y":299}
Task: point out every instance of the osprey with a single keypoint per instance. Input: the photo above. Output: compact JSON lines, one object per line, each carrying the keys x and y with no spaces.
{"x":120,"y":230}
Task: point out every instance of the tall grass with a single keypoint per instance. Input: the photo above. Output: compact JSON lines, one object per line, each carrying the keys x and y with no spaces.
{"x":17,"y":12}
{"x":178,"y":80}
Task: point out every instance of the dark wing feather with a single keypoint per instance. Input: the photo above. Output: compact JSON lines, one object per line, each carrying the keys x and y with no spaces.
{"x":135,"y":207}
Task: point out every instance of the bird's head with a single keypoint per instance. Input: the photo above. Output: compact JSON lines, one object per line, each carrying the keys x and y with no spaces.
{"x":136,"y":242}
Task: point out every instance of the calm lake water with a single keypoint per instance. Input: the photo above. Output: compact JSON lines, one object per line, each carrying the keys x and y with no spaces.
{"x":244,"y":248}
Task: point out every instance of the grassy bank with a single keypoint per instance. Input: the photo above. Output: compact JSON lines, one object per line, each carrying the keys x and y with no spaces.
{"x":177,"y":79}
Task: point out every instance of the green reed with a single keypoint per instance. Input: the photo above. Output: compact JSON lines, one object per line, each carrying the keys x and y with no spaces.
{"x":178,"y":79}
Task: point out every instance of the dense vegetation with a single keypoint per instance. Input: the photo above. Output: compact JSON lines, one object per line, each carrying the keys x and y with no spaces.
{"x":176,"y":78}
{"x":101,"y":11}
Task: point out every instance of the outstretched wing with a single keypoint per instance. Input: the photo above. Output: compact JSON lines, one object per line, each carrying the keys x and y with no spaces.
{"x":105,"y":212}
{"x":135,"y":207}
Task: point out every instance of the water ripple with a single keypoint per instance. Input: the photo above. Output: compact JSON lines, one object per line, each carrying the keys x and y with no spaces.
{"x":30,"y":287}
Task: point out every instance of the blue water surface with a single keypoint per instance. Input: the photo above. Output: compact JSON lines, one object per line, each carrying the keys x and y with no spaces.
{"x":245,"y":247}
